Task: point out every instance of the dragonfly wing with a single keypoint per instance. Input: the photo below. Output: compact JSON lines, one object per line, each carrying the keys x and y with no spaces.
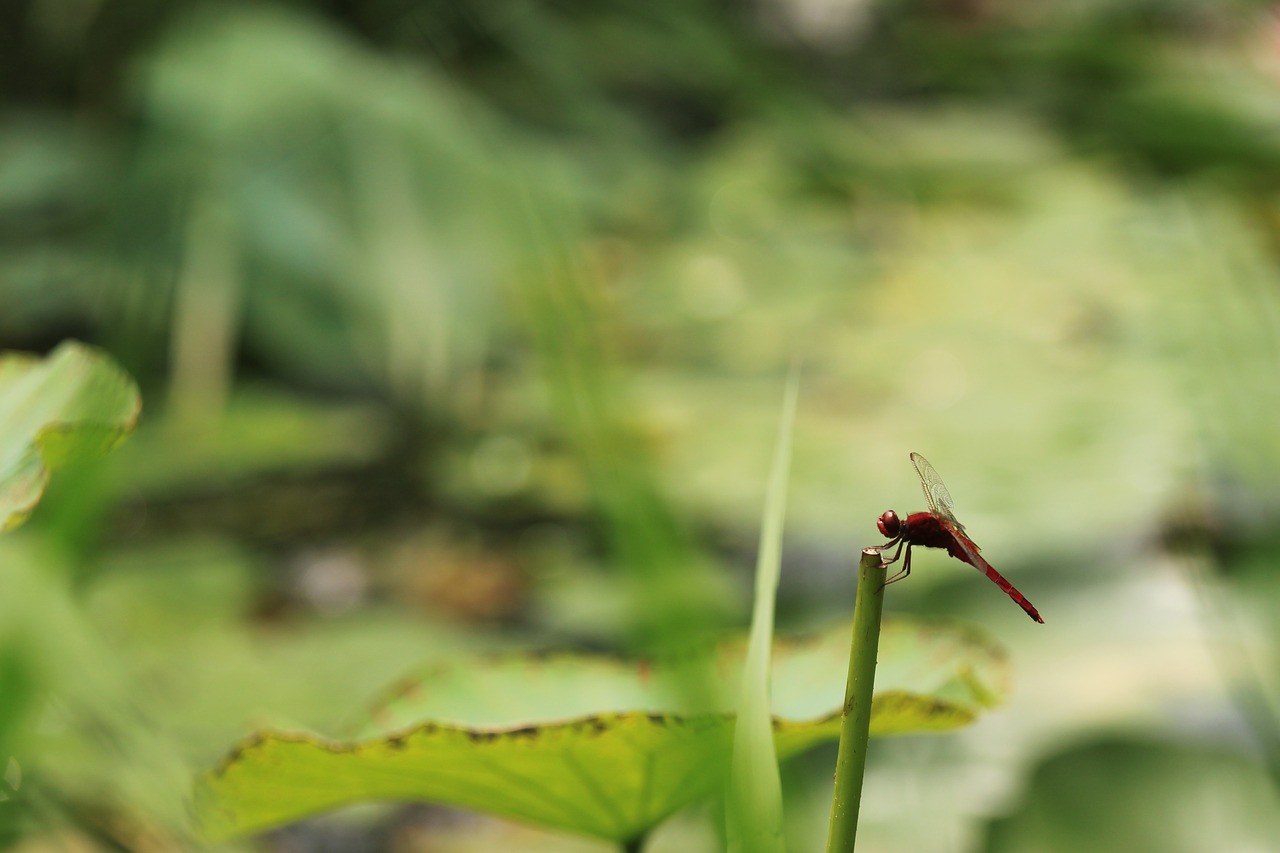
{"x":966,"y":544}
{"x":935,"y":492}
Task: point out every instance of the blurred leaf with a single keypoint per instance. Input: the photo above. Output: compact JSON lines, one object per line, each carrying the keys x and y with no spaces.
{"x":72,"y":404}
{"x":1122,"y":795}
{"x":77,"y":725}
{"x":260,"y":432}
{"x":18,"y":684}
{"x":356,"y":188}
{"x":542,"y":739}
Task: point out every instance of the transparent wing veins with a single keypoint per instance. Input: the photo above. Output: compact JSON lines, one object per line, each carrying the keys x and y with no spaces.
{"x":935,"y":492}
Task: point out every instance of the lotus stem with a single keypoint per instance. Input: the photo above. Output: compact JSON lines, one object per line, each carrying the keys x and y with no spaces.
{"x":855,"y":725}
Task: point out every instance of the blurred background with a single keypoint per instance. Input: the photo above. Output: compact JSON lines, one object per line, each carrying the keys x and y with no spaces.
{"x":463,"y":326}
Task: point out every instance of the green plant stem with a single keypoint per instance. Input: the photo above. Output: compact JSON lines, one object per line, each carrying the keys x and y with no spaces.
{"x":855,"y":726}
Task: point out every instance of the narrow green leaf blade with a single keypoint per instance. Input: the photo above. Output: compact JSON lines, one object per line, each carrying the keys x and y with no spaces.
{"x":754,"y":812}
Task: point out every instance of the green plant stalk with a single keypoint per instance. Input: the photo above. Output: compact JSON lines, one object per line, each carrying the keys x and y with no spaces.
{"x":855,"y":725}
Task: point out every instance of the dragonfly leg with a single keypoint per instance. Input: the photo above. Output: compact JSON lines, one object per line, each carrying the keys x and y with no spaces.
{"x":884,"y":564}
{"x":902,"y":573}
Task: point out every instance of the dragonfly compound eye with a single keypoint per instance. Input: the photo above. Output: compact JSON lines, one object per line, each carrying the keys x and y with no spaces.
{"x":889,"y":524}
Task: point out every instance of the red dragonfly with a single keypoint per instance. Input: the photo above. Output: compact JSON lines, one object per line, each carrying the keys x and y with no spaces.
{"x":938,"y":528}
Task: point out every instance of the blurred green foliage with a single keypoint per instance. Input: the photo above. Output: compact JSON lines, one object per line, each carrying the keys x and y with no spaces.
{"x":462,"y":326}
{"x":597,"y":747}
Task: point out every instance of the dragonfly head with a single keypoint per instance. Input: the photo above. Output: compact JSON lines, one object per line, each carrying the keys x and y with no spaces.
{"x":890,"y":525}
